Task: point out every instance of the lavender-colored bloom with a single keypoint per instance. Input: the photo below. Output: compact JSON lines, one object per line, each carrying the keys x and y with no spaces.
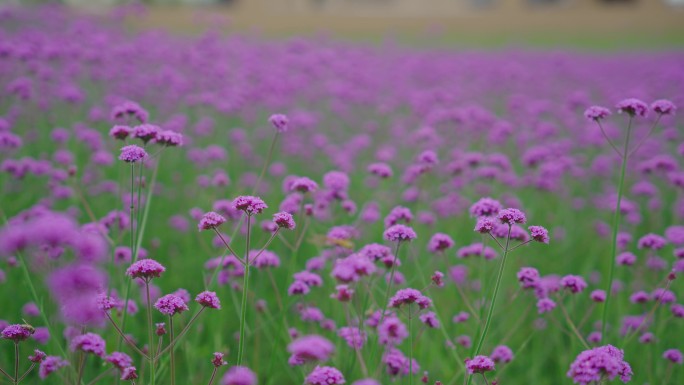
{"x":528,"y":277}
{"x":398,"y":364}
{"x":598,"y":364}
{"x":502,"y":354}
{"x":120,"y":132}
{"x":132,"y":154}
{"x":651,"y":242}
{"x":485,"y":207}
{"x":511,"y":216}
{"x":382,"y":170}
{"x":539,"y":234}
{"x":239,"y":375}
{"x":674,"y":355}
{"x":50,"y":365}
{"x":280,"y":122}
{"x":146,"y":132}
{"x":391,"y":331}
{"x":169,"y":138}
{"x":170,"y":305}
{"x":249,"y":204}
{"x":596,"y":113}
{"x":311,"y":348}
{"x":574,"y":283}
{"x":598,"y":295}
{"x":218,"y":360}
{"x":479,"y":364}
{"x":208,"y":299}
{"x":129,"y":374}
{"x":210,"y":220}
{"x":303,"y":185}
{"x":37,"y":357}
{"x":88,"y":343}
{"x":354,"y":337}
{"x":408,"y":297}
{"x":663,"y":107}
{"x":399,"y":233}
{"x":429,"y":319}
{"x":119,"y":360}
{"x":633,"y":107}
{"x":17,"y":333}
{"x":145,"y":269}
{"x":545,"y":305}
{"x":324,"y":375}
{"x":284,"y":220}
{"x":439,"y":243}
{"x":626,"y":259}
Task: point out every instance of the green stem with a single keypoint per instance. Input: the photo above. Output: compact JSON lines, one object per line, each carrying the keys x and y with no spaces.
{"x":268,"y":161}
{"x":496,"y":292}
{"x":616,"y":225}
{"x":410,"y":327}
{"x":387,"y":294}
{"x":150,"y":333}
{"x":245,"y":289}
{"x":16,"y":362}
{"x":173,"y":355}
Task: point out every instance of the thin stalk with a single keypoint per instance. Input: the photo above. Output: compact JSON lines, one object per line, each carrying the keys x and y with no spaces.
{"x":387,"y":294}
{"x":16,"y":362}
{"x":616,"y":225}
{"x":181,"y":334}
{"x":150,"y":334}
{"x":496,"y":292}
{"x":608,"y":139}
{"x":81,"y":364}
{"x":485,"y":379}
{"x":123,"y":336}
{"x":646,"y":319}
{"x":572,"y":325}
{"x":213,"y":375}
{"x":173,"y":355}
{"x":33,"y":365}
{"x":6,"y":374}
{"x":650,"y":132}
{"x":410,"y":327}
{"x":100,"y":376}
{"x":245,"y":289}
{"x":268,"y":161}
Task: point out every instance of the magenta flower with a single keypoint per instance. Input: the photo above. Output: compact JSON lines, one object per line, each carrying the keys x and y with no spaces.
{"x":528,"y":277}
{"x":663,"y":107}
{"x":485,"y":207}
{"x":17,"y":333}
{"x":208,"y":299}
{"x":633,"y":107}
{"x":651,"y":242}
{"x":303,"y":185}
{"x":674,"y":355}
{"x":146,"y":132}
{"x":170,"y":305}
{"x":574,"y":283}
{"x":88,"y":343}
{"x":440,"y":242}
{"x":249,"y":204}
{"x":120,"y":360}
{"x":408,"y":297}
{"x":120,"y":132}
{"x":598,"y":364}
{"x":399,"y":233}
{"x":37,"y":357}
{"x":239,"y":375}
{"x":485,"y":225}
{"x":218,"y":360}
{"x":210,"y":220}
{"x":545,"y":305}
{"x":479,"y":364}
{"x":280,"y":122}
{"x":539,"y":234}
{"x":132,"y":154}
{"x":145,"y":269}
{"x":325,"y":375}
{"x":598,"y":295}
{"x":129,"y":374}
{"x":284,"y":220}
{"x":169,"y":138}
{"x":50,"y":365}
{"x":311,"y":348}
{"x":596,"y":113}
{"x":511,"y":216}
{"x":502,"y":354}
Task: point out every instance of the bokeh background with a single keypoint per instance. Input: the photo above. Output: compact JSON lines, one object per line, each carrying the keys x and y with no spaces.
{"x":593,"y":24}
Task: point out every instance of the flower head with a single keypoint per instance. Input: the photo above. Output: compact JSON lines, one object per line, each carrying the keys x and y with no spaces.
{"x":511,"y":216}
{"x":598,"y":364}
{"x":410,"y":296}
{"x":132,"y":154}
{"x":145,"y":269}
{"x":280,"y":122}
{"x":37,"y":357}
{"x":596,"y":113}
{"x":17,"y":333}
{"x":539,"y":234}
{"x":633,"y":107}
{"x":218,"y":360}
{"x":325,"y":375}
{"x":673,"y":355}
{"x":170,"y":305}
{"x":249,"y":204}
{"x":208,"y":299}
{"x":129,"y":374}
{"x":284,"y":220}
{"x":120,"y":360}
{"x":210,"y":220}
{"x":663,"y":107}
{"x":479,"y":364}
{"x":50,"y":365}
{"x":88,"y":343}
{"x":398,"y":233}
{"x":485,"y":207}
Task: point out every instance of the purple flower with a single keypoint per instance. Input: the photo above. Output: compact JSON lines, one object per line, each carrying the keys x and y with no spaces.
{"x":479,"y":364}
{"x":284,"y":220}
{"x":633,"y":107}
{"x":50,"y":365}
{"x":129,"y":374}
{"x":17,"y":333}
{"x":429,"y":319}
{"x":37,"y":357}
{"x":324,"y":375}
{"x":598,"y":296}
{"x":485,"y":225}
{"x":408,"y":297}
{"x":502,"y":354}
{"x":249,"y":204}
{"x":169,"y":138}
{"x":354,"y":337}
{"x":88,"y":343}
{"x":485,"y":207}
{"x":545,"y":305}
{"x":146,"y":132}
{"x":598,"y":364}
{"x":674,"y":355}
{"x":596,"y":113}
{"x":120,"y":360}
{"x":170,"y":305}
{"x":574,"y":283}
{"x":311,"y":348}
{"x":303,"y":185}
{"x":398,"y":233}
{"x":663,"y":107}
{"x":511,"y":216}
{"x":145,"y":269}
{"x":398,"y":364}
{"x":218,"y":360}
{"x":528,"y":277}
{"x":239,"y":375}
{"x":651,"y":242}
{"x":539,"y":234}
{"x":210,"y":220}
{"x":132,"y":154}
{"x":120,"y":132}
{"x":440,"y":242}
{"x":280,"y":122}
{"x":208,"y":299}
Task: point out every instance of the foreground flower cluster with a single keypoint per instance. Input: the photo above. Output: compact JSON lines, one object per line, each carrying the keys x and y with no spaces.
{"x":225,"y":210}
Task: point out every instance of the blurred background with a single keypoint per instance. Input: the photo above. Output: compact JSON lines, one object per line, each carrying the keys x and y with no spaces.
{"x":601,"y":24}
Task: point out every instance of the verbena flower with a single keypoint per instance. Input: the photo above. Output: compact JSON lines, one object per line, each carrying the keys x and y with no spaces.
{"x":132,"y":154}
{"x":170,"y":305}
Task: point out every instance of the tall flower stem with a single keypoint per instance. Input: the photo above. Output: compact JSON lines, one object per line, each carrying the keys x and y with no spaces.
{"x":16,"y":362}
{"x":81,"y":364}
{"x":213,"y":375}
{"x":488,"y":321}
{"x":387,"y":295}
{"x":123,"y":336}
{"x":150,"y":333}
{"x":410,"y":327}
{"x":181,"y":334}
{"x":245,"y":289}
{"x":269,"y":156}
{"x":616,"y":228}
{"x":173,"y":354}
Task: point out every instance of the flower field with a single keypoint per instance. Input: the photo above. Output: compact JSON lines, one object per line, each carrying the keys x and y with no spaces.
{"x":223,"y":209}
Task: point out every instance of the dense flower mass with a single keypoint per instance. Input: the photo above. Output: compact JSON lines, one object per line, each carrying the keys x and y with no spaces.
{"x":479,"y":364}
{"x":325,"y":375}
{"x":210,"y":220}
{"x":398,"y":233}
{"x":170,"y":305}
{"x":249,"y":204}
{"x":594,"y":365}
{"x":145,"y":269}
{"x":132,"y":154}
